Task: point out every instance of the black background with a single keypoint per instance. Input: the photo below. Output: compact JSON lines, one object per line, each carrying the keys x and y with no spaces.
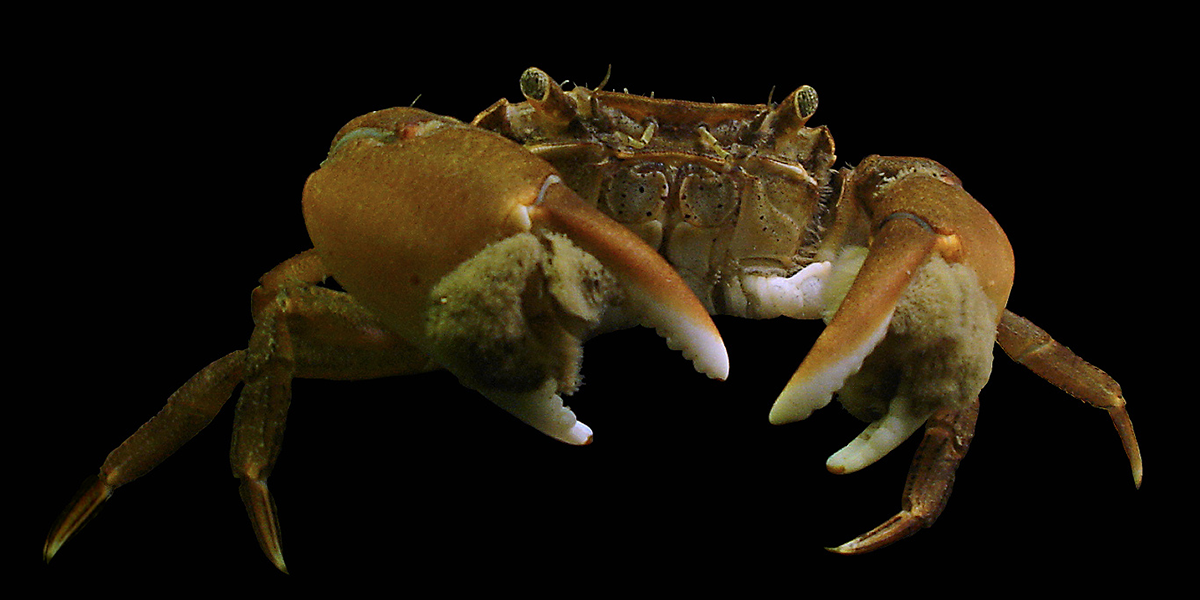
{"x":167,"y":165}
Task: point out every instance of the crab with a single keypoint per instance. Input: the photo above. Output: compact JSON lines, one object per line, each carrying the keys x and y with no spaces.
{"x":494,"y":249}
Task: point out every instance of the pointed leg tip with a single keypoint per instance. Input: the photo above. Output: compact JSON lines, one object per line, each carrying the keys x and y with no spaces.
{"x":900,"y":526}
{"x":79,"y":512}
{"x":862,"y":544}
{"x":274,"y":553}
{"x":858,"y":546}
{"x":260,"y":505}
{"x":50,"y":549}
{"x":54,"y":541}
{"x":1124,"y":427}
{"x":845,"y":549}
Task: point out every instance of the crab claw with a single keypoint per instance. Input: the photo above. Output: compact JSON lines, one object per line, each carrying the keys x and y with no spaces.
{"x":916,"y":318}
{"x":475,"y":251}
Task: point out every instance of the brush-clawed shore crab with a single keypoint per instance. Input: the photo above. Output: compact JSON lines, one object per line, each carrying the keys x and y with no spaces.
{"x":494,"y":249}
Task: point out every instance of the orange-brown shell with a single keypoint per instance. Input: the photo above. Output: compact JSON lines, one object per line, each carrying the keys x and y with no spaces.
{"x":390,"y":218}
{"x":938,"y":199}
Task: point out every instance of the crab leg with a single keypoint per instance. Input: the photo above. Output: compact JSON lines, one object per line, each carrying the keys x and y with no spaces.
{"x":1030,"y":345}
{"x":258,"y":424}
{"x":342,"y":341}
{"x":188,"y":411}
{"x":948,"y":434}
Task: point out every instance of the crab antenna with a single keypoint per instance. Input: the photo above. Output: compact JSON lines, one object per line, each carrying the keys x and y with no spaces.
{"x":604,"y":82}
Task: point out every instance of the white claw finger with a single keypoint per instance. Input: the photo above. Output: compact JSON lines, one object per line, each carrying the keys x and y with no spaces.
{"x":696,"y":339}
{"x":543,"y":410}
{"x":824,"y":372}
{"x":879,"y":438}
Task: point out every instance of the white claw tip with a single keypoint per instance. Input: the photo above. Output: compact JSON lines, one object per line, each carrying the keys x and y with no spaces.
{"x":579,"y":435}
{"x":713,"y":359}
{"x":796,"y":404}
{"x":543,"y":409}
{"x":704,"y":348}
